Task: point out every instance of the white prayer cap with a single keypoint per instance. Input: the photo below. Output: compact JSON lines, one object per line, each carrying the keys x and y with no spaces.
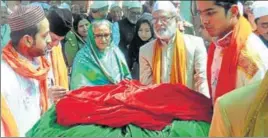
{"x":99,"y":4}
{"x":125,"y":3}
{"x":240,"y":8}
{"x":165,"y":6}
{"x":134,"y":4}
{"x":260,"y":8}
{"x":115,"y":4}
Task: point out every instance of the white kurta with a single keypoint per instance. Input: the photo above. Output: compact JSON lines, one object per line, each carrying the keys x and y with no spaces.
{"x":22,"y":97}
{"x":196,"y":57}
{"x":256,"y":46}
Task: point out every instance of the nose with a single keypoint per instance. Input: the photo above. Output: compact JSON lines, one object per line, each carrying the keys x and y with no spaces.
{"x":204,"y":19}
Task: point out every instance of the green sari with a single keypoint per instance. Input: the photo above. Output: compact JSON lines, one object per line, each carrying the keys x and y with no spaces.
{"x":93,"y":67}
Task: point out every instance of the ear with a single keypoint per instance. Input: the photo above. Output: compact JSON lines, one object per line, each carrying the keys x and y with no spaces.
{"x":28,"y":40}
{"x":234,"y":11}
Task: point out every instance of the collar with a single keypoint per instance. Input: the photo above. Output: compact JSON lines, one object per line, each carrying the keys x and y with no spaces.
{"x":166,"y":43}
{"x":225,"y":40}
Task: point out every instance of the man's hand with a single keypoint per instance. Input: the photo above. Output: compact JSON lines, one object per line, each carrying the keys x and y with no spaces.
{"x":56,"y":93}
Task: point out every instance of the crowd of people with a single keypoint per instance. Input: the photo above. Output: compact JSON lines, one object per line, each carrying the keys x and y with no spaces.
{"x":49,"y":51}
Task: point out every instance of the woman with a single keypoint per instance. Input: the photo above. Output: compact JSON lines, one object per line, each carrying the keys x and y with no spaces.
{"x":143,"y":34}
{"x":101,"y":62}
{"x":76,"y":40}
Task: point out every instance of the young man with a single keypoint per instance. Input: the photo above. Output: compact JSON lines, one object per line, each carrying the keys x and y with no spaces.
{"x":24,"y":71}
{"x":260,"y":11}
{"x":238,"y":57}
{"x":173,"y":57}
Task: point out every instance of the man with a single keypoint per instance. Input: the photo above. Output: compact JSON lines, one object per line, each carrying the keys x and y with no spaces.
{"x":173,"y":57}
{"x":260,"y":11}
{"x":60,"y":24}
{"x":242,"y":112}
{"x":98,"y":10}
{"x":124,"y":30}
{"x":5,"y":29}
{"x":237,"y":57}
{"x":115,"y":12}
{"x":76,"y":9}
{"x":125,"y":5}
{"x":24,"y":70}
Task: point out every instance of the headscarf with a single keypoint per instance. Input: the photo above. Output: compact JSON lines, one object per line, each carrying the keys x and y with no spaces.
{"x":136,"y":42}
{"x":91,"y":67}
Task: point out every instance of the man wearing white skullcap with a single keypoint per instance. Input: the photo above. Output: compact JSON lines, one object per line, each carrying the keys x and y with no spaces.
{"x":260,"y":11}
{"x":173,"y":57}
{"x":24,"y":93}
{"x":98,"y":10}
{"x":115,"y":12}
{"x":124,"y":30}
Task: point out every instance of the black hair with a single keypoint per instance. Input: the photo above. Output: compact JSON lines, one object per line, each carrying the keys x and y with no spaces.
{"x":16,"y":36}
{"x":226,"y":4}
{"x":77,"y":18}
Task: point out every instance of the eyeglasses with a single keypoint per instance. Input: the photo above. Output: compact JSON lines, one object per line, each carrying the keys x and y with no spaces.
{"x":99,"y":36}
{"x":134,"y":13}
{"x":162,"y":19}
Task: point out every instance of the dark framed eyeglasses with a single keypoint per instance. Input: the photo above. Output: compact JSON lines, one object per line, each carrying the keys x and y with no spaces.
{"x":99,"y":36}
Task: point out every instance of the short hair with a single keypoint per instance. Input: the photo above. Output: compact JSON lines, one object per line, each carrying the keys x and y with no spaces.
{"x":226,"y":4}
{"x":102,"y":22}
{"x":16,"y":36}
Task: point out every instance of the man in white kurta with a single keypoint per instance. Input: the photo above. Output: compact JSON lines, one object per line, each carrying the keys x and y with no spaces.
{"x":195,"y":52}
{"x":22,"y":94}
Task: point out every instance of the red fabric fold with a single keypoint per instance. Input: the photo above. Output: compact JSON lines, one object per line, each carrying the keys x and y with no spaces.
{"x":129,"y":102}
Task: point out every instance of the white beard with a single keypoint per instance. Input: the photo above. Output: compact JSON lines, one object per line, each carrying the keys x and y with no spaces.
{"x":166,"y":33}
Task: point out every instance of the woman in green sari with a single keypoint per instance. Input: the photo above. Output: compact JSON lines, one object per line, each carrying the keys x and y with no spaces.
{"x":101,"y":62}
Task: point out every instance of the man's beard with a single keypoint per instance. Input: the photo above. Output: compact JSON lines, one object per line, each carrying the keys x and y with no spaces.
{"x":133,"y":20}
{"x":167,"y":32}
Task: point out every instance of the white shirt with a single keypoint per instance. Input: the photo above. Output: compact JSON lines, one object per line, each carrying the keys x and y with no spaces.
{"x":22,"y":96}
{"x":255,"y":46}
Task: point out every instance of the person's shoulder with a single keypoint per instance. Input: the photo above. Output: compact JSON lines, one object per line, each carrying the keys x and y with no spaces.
{"x":192,"y":37}
{"x":148,"y":46}
{"x":239,"y":98}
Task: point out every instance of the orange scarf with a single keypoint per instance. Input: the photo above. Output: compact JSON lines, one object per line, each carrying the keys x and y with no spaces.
{"x":178,"y":68}
{"x":228,"y":72}
{"x":9,"y":123}
{"x":26,"y":69}
{"x":59,"y":68}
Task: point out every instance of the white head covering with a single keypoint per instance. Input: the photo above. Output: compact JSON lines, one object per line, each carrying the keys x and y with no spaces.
{"x":165,"y":6}
{"x":125,"y":3}
{"x":99,"y":4}
{"x":115,"y":4}
{"x":134,"y":4}
{"x":240,"y":8}
{"x":260,"y":8}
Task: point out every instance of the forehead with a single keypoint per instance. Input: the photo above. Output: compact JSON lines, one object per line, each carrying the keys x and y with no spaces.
{"x":205,"y":5}
{"x":263,"y":19}
{"x":116,"y":9}
{"x":135,"y":9}
{"x":145,"y":25}
{"x":83,"y":21}
{"x":101,"y":28}
{"x":161,"y":13}
{"x":44,"y":26}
